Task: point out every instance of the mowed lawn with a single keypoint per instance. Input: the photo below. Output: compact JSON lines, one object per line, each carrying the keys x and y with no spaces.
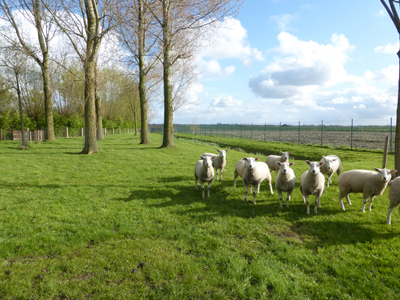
{"x":128,"y":223}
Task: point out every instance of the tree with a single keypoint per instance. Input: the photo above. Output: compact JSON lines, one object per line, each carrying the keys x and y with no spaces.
{"x":391,"y":9}
{"x":180,"y":22}
{"x":86,"y":23}
{"x":139,"y":36}
{"x":33,"y":12}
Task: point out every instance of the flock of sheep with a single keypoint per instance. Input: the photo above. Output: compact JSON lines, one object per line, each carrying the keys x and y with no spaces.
{"x":312,"y":181}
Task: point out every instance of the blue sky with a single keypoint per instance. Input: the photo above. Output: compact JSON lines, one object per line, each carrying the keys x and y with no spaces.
{"x":290,"y":61}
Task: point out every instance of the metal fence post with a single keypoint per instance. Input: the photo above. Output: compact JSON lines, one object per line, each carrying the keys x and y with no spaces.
{"x":351,"y":143}
{"x":265,"y":132}
{"x":280,"y":125}
{"x":390,"y":134}
{"x":298,"y":142}
{"x":251,"y":128}
{"x":322,"y":131}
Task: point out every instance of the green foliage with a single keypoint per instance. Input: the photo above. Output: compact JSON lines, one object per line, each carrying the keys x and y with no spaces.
{"x":128,"y":223}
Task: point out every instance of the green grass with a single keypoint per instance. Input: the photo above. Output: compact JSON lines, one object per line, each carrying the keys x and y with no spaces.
{"x":128,"y":223}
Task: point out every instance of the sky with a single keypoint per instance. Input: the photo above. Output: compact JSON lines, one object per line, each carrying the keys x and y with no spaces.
{"x":291,"y":61}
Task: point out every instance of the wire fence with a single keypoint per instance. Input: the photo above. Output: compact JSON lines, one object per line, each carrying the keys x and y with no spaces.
{"x":338,"y":136}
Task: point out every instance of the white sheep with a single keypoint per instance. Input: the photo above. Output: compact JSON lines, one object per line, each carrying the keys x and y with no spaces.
{"x":369,"y":183}
{"x":312,"y":182}
{"x":331,"y":165}
{"x":272,"y":159}
{"x":394,"y":197}
{"x":254,"y":173}
{"x":219,"y":162}
{"x":239,"y":169}
{"x":204,"y":172}
{"x":285,"y":181}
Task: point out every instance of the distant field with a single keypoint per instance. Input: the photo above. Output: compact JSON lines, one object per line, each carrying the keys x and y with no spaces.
{"x":128,"y":223}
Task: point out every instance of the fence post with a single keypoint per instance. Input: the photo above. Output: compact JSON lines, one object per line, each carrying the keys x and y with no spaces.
{"x":298,"y":142}
{"x":280,"y":125}
{"x":113,"y":131}
{"x":351,"y":143}
{"x":241,"y":130}
{"x":322,"y":130}
{"x":67,"y":131}
{"x":390,"y":134}
{"x":81,"y":131}
{"x":265,"y":132}
{"x":251,"y":128}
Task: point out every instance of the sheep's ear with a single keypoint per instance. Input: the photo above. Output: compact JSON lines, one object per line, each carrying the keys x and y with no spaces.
{"x":226,"y":150}
{"x":323,"y":157}
{"x":291,"y":164}
{"x":213,"y":157}
{"x":376,"y":169}
{"x":308,"y":162}
{"x":281,"y":152}
{"x":278,"y":163}
{"x":334,"y":159}
{"x":201,"y":157}
{"x":218,"y":150}
{"x":256,"y":158}
{"x":244,"y":158}
{"x":321,"y":163}
{"x":393,"y":171}
{"x":290,"y":153}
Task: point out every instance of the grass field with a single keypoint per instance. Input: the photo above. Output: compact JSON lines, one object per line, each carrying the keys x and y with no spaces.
{"x":128,"y":223}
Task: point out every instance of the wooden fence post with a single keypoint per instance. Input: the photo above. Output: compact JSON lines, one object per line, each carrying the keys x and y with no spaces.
{"x":67,"y":131}
{"x":81,"y":131}
{"x":385,"y":151}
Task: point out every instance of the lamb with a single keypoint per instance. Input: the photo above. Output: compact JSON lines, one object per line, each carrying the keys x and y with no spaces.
{"x":394,"y":197}
{"x":219,"y":162}
{"x":285,"y":181}
{"x":239,"y":169}
{"x":331,"y":165}
{"x":204,"y":172}
{"x":367,"y":182}
{"x":272,"y":159}
{"x":253,"y":174}
{"x":312,"y":182}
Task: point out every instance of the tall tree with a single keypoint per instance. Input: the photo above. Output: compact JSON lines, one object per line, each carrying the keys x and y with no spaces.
{"x":181,"y":21}
{"x":391,"y":9}
{"x":86,"y":23}
{"x":139,"y":36}
{"x":33,"y":12}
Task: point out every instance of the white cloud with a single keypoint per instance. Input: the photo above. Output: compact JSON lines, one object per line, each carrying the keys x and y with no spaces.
{"x":230,"y":41}
{"x":226,"y":101}
{"x":212,"y":68}
{"x":380,"y":13}
{"x":361,"y":106}
{"x":389,"y":48}
{"x":302,"y":67}
{"x":283,"y":21}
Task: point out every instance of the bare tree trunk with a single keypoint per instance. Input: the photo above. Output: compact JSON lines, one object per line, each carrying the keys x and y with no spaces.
{"x":100,"y":135}
{"x":21,"y":113}
{"x":168,"y":141}
{"x":90,"y":110}
{"x":48,"y":103}
{"x":144,"y":106}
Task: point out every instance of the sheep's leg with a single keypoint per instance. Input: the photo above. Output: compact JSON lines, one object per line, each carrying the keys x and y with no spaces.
{"x":288,"y":199}
{"x":365,"y":202}
{"x":195,"y":178}
{"x":280,"y":199}
{"x":327,"y":182}
{"x":208,"y":189}
{"x":389,"y":215}
{"x":202,"y":188}
{"x":235,"y":175}
{"x":370,"y":202}
{"x":216,"y":171}
{"x":247,"y":191}
{"x":221,"y":172}
{"x":317,"y":203}
{"x":304,"y":199}
{"x":308,"y":204}
{"x":270,"y":188}
{"x":341,"y":203}
{"x":348,"y":199}
{"x":256,"y":188}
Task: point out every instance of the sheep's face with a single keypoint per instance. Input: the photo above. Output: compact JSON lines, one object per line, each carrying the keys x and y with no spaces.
{"x":285,"y":156}
{"x":250,"y":162}
{"x":222,"y":153}
{"x":314,"y":168}
{"x":207,"y":161}
{"x":384,"y":174}
{"x":284,"y":167}
{"x":328,"y":162}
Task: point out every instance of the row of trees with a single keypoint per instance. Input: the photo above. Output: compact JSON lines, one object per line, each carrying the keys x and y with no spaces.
{"x":157,"y":42}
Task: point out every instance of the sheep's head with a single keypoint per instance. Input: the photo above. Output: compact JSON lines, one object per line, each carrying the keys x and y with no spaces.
{"x":285,"y":156}
{"x":328,"y":162}
{"x":314,"y":168}
{"x":207,"y":161}
{"x":222,"y":153}
{"x":385,"y":174}
{"x":284,"y":167}
{"x":250,"y":162}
